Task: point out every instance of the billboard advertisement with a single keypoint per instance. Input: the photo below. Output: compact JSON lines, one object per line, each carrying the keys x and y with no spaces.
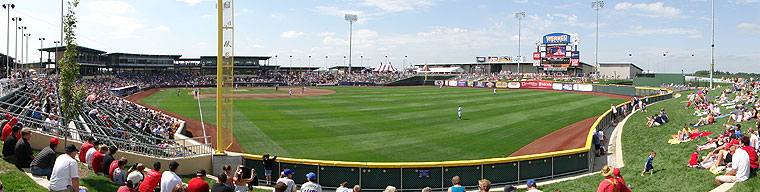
{"x":501,"y":84}
{"x":489,"y":84}
{"x":567,"y":86}
{"x":480,"y":59}
{"x":557,"y":86}
{"x":438,"y":83}
{"x":556,"y":38}
{"x":453,"y":83}
{"x":556,"y":51}
{"x":479,"y":84}
{"x":583,"y":87}
{"x":536,"y":84}
{"x":536,"y":55}
{"x":461,"y":83}
{"x":493,"y":59}
{"x":513,"y":85}
{"x":575,"y":61}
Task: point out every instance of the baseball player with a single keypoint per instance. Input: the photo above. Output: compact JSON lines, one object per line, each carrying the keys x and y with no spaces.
{"x":494,"y":91}
{"x":459,"y":112}
{"x":290,"y":92}
{"x":177,"y":92}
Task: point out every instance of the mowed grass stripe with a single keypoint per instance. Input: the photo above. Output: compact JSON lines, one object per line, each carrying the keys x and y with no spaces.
{"x":401,"y":123}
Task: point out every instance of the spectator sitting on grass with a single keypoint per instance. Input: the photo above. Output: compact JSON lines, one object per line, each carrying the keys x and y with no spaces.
{"x":90,"y":153}
{"x":23,"y":151}
{"x":136,"y":174}
{"x":128,"y":187}
{"x":198,"y":184}
{"x":10,"y":144}
{"x":169,"y":178}
{"x":221,"y":184}
{"x":739,"y":170}
{"x":42,"y":165}
{"x":107,"y":161}
{"x":119,"y":175}
{"x":97,"y":160}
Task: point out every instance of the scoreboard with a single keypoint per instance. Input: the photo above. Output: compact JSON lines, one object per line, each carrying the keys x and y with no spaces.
{"x":557,"y":52}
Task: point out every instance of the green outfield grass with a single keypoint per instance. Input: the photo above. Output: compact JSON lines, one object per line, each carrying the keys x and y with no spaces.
{"x":381,"y":124}
{"x":249,"y":90}
{"x":671,"y":171}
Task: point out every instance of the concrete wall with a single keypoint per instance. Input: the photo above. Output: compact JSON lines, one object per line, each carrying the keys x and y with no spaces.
{"x":623,"y":71}
{"x":187,"y":166}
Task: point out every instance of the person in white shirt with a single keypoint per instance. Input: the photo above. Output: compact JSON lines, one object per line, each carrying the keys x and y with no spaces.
{"x":169,"y":178}
{"x":65,"y":176}
{"x":119,"y":174}
{"x":459,"y":112}
{"x":310,"y":186}
{"x":739,"y":169}
{"x":288,"y":180}
{"x":344,"y":187}
{"x":91,"y":151}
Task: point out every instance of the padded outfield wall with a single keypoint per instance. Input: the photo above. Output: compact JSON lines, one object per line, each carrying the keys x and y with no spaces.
{"x":375,"y":176}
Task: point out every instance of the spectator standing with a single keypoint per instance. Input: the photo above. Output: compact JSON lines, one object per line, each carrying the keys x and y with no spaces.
{"x":648,"y":164}
{"x":43,"y":163}
{"x":510,"y":188}
{"x":90,"y":152}
{"x":531,"y":186}
{"x":136,"y":174}
{"x":620,"y":185}
{"x":310,"y":185}
{"x":119,"y":175}
{"x":456,"y":187}
{"x":85,"y":148}
{"x":268,"y":164}
{"x":198,"y":184}
{"x":23,"y":151}
{"x":107,"y":160}
{"x":288,"y":180}
{"x":65,"y":176}
{"x":609,"y":183}
{"x":221,"y":184}
{"x":343,"y":187}
{"x":152,"y":178}
{"x":169,"y":178}
{"x":239,"y":181}
{"x":97,"y":159}
{"x":9,"y":145}
{"x":357,"y":188}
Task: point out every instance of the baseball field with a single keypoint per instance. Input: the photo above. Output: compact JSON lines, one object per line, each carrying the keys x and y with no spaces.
{"x":381,"y":124}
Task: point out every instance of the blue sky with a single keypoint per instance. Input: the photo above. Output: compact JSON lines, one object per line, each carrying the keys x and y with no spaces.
{"x":439,"y":31}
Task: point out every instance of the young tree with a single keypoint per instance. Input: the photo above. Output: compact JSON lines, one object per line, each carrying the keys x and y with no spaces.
{"x":71,"y":94}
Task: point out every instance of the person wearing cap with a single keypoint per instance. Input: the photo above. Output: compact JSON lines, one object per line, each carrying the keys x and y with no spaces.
{"x":95,"y":147}
{"x":310,"y":185}
{"x":136,"y":174}
{"x":620,"y":181}
{"x":8,"y":128}
{"x":510,"y":188}
{"x":65,"y":176}
{"x":9,"y":145}
{"x":23,"y":151}
{"x":42,"y":165}
{"x":119,"y":175}
{"x":198,"y":184}
{"x":6,"y":118}
{"x":109,"y":163}
{"x":169,"y":178}
{"x":288,"y":180}
{"x":531,"y":186}
{"x":85,"y":148}
{"x":609,"y":184}
{"x":152,"y":178}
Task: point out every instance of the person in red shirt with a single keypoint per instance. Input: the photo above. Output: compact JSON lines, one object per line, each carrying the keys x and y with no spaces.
{"x":8,"y":128}
{"x":753,"y":164}
{"x":197,"y":184}
{"x":152,"y":178}
{"x":86,"y":146}
{"x":129,"y":187}
{"x":113,"y":166}
{"x":609,"y":184}
{"x":621,"y":186}
{"x":97,"y":159}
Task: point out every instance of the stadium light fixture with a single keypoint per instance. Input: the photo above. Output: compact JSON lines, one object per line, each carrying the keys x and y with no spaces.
{"x":596,"y":5}
{"x":22,"y":28}
{"x":8,"y":8}
{"x":519,"y":16}
{"x":290,"y":61}
{"x":15,"y":48}
{"x":712,"y":44}
{"x":41,"y":40}
{"x":309,"y":61}
{"x":56,"y":54}
{"x":26,"y":57}
{"x":326,"y":69}
{"x":361,"y":60}
{"x":351,"y":18}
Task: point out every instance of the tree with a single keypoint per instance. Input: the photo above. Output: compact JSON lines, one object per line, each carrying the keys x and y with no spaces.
{"x":71,"y":94}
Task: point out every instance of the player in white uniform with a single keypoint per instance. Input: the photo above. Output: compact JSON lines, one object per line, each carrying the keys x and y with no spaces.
{"x":494,"y":91}
{"x":459,"y":112}
{"x":290,"y":91}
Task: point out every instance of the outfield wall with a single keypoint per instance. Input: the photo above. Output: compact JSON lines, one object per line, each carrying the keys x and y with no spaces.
{"x":375,"y":176}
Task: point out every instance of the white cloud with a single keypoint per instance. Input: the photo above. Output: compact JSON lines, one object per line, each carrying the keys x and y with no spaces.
{"x":520,"y":1}
{"x":291,"y":34}
{"x":641,"y":31}
{"x":329,"y":10}
{"x":748,"y":27}
{"x":397,"y":5}
{"x":161,"y":28}
{"x":114,"y":16}
{"x":327,"y":34}
{"x":334,"y":41}
{"x":191,"y":2}
{"x":654,"y":10}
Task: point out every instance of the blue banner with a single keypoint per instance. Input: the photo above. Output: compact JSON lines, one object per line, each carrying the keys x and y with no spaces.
{"x":556,"y":38}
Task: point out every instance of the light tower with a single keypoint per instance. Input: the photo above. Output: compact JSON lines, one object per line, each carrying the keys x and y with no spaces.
{"x":596,"y":5}
{"x":351,"y":18}
{"x":519,"y":16}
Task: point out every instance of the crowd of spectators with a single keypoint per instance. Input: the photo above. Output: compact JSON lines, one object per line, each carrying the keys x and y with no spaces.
{"x":509,"y":76}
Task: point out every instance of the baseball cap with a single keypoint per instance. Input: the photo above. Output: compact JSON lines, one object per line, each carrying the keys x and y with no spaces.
{"x":7,"y":115}
{"x":97,"y":142}
{"x":71,"y":147}
{"x":173,"y":165}
{"x":26,"y":130}
{"x":91,"y":138}
{"x":54,"y":140}
{"x":288,"y":172}
{"x":201,"y":172}
{"x":311,"y":176}
{"x":509,"y":188}
{"x":531,"y":183}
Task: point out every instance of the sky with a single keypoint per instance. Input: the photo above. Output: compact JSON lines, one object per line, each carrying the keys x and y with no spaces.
{"x":436,"y":31}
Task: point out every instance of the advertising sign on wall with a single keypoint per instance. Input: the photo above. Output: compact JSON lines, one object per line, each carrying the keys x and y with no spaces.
{"x":557,"y":86}
{"x":513,"y":85}
{"x":461,"y":83}
{"x":536,"y":84}
{"x":489,"y":84}
{"x":567,"y":86}
{"x":502,"y":84}
{"x":453,"y":83}
{"x":583,"y":87}
{"x":438,"y":83}
{"x":480,"y":59}
{"x":556,"y":38}
{"x":479,"y":84}
{"x":574,"y":61}
{"x":536,"y":55}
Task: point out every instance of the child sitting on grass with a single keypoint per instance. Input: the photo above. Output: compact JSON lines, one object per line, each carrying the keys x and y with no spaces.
{"x":648,"y":165}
